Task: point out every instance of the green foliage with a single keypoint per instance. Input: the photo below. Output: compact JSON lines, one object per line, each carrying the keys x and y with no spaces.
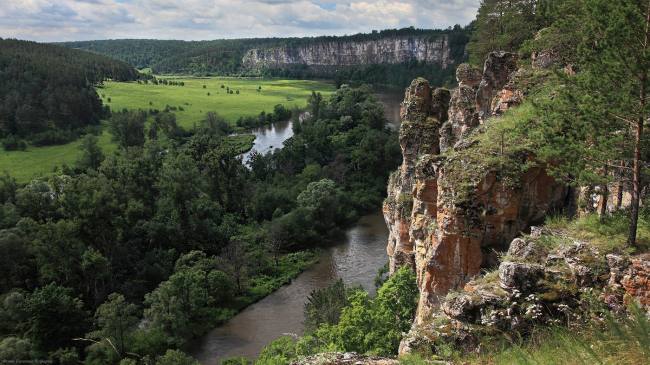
{"x":115,"y":321}
{"x":501,"y":25}
{"x":235,"y":361}
{"x":55,"y":317}
{"x":366,"y":325}
{"x":127,"y":128}
{"x":92,"y":155}
{"x":192,"y":296}
{"x":175,"y":357}
{"x":16,"y":349}
{"x":324,"y":306}
{"x":278,"y":352}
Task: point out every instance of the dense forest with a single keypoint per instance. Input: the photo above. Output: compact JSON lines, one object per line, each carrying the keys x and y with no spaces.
{"x":48,"y":92}
{"x":224,"y":57}
{"x":124,"y":258}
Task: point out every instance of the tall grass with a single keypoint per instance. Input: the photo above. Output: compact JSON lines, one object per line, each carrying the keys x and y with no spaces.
{"x":616,"y":341}
{"x":612,"y":341}
{"x":608,"y":234}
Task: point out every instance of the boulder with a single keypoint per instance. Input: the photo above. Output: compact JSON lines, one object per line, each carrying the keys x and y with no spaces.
{"x":636,"y":281}
{"x":526,"y":250}
{"x":521,"y":276}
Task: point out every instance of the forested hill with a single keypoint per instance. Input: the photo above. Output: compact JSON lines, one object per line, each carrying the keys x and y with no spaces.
{"x":386,"y":57}
{"x":47,"y":88}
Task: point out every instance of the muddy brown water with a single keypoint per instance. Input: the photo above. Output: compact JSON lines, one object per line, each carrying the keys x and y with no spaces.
{"x":356,"y":260}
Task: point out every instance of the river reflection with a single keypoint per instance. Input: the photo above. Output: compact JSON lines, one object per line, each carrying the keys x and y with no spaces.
{"x":272,"y":137}
{"x":269,"y":138}
{"x":356,"y":260}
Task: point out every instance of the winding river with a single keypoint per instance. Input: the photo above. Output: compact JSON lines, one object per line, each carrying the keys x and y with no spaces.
{"x":356,"y":260}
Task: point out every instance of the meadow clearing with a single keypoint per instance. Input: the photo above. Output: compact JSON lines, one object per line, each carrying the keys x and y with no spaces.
{"x":201,"y":95}
{"x":255,"y":96}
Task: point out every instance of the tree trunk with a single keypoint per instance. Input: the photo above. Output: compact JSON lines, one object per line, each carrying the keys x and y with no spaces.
{"x":621,"y":186}
{"x":636,"y":173}
{"x":636,"y":183}
{"x":604,"y":196}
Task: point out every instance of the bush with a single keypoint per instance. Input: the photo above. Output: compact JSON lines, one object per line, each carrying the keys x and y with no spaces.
{"x":13,"y":143}
{"x":53,"y":137}
{"x":279,"y":352}
{"x":366,"y":325}
{"x":175,"y":357}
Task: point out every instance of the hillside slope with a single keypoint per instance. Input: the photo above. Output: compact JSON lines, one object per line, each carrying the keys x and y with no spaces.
{"x":48,"y":87}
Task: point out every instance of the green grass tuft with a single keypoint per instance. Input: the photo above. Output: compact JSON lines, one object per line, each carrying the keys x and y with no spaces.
{"x":608,"y":234}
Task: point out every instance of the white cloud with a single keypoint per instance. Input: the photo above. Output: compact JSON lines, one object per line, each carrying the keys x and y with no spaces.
{"x":62,"y":20}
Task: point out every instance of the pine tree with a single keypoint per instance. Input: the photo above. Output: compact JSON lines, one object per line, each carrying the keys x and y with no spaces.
{"x":502,"y":25}
{"x":618,"y":58}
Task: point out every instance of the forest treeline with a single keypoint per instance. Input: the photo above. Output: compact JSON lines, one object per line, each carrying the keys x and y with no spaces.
{"x":48,"y":92}
{"x":224,"y":57}
{"x":125,"y":258}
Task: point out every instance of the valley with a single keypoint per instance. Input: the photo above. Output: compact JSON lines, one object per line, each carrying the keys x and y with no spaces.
{"x":200,"y":95}
{"x":325,"y":182}
{"x":190,"y":104}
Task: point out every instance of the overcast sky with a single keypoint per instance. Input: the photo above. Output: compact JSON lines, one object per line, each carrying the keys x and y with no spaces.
{"x":68,"y":20}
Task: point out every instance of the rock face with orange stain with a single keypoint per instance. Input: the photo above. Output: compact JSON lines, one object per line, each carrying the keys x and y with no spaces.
{"x":636,"y":281}
{"x":447,"y":240}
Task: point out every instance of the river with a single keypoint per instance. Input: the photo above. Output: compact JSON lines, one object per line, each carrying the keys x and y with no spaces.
{"x":356,"y":260}
{"x":271,"y":137}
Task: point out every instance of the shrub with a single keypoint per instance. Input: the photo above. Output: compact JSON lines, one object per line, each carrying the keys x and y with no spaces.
{"x":53,"y":137}
{"x":13,"y":143}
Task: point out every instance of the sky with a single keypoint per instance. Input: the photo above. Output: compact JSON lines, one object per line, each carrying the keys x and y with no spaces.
{"x":71,"y":20}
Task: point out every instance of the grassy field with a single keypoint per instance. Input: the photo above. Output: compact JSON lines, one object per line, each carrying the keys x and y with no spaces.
{"x":193,"y":98}
{"x":39,"y":161}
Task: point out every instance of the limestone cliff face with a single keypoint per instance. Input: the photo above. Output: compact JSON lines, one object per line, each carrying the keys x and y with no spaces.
{"x":445,"y":238}
{"x":392,"y":50}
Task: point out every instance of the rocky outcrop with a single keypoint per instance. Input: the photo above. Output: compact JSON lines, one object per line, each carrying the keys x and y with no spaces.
{"x":629,"y":280}
{"x":497,"y":73}
{"x":423,"y":112}
{"x":447,"y":229}
{"x":546,"y":279}
{"x":347,"y":358}
{"x":389,"y":50}
{"x":480,"y":95}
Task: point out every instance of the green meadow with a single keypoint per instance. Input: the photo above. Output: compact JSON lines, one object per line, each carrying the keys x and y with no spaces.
{"x":39,"y":161}
{"x":202,"y":95}
{"x":192,"y":98}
